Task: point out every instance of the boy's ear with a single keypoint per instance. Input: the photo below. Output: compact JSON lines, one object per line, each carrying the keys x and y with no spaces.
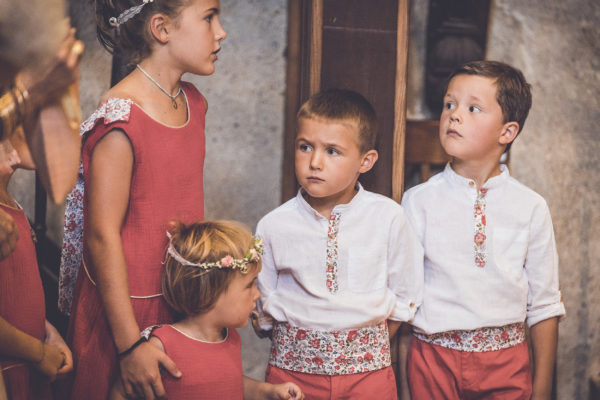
{"x":159,"y":28}
{"x":509,"y":132}
{"x":368,"y":160}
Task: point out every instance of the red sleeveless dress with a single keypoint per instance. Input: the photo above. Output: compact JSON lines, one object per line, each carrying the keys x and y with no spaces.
{"x":22,"y":305}
{"x":166,"y":185}
{"x":210,"y":371}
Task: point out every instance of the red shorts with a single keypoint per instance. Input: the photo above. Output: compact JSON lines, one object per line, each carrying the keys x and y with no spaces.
{"x":436,"y":372}
{"x":380,"y":384}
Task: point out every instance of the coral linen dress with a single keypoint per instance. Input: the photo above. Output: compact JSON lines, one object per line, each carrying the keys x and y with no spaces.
{"x":22,"y":305}
{"x":210,"y":371}
{"x":166,"y":185}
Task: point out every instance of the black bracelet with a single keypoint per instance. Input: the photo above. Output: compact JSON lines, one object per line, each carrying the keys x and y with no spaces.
{"x":132,"y":347}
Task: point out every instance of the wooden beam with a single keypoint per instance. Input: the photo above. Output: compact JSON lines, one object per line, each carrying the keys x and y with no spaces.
{"x":316,"y":46}
{"x":400,"y":101}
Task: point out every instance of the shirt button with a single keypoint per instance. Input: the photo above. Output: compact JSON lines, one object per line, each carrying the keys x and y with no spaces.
{"x":411,"y":305}
{"x":471,"y":183}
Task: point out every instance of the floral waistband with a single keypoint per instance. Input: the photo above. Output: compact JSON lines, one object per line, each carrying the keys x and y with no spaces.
{"x":340,"y":352}
{"x":478,"y":340}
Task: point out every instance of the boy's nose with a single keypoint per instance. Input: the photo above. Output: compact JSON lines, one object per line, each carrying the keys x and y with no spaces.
{"x":316,"y":161}
{"x":455,"y":117}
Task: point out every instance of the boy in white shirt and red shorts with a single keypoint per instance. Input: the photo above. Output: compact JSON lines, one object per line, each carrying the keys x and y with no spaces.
{"x":490,"y":256}
{"x":339,"y":261}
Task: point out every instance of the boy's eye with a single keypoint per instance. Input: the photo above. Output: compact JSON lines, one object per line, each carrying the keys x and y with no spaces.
{"x":474,"y":109}
{"x":209,"y":17}
{"x":303,"y":147}
{"x":449,"y":106}
{"x":332,"y":152}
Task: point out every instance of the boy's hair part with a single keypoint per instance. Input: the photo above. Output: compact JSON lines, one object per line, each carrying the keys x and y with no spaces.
{"x":344,"y":106}
{"x":513,"y":91}
{"x":190,"y":290}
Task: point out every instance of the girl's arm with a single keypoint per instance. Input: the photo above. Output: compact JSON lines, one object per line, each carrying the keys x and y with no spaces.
{"x":544,"y":338}
{"x":15,"y":343}
{"x":109,"y":185}
{"x":254,"y":389}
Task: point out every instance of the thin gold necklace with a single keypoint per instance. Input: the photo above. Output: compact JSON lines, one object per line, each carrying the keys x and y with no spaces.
{"x":171,"y":96}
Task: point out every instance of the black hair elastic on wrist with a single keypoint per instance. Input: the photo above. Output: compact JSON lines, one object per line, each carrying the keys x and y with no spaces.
{"x":132,"y":347}
{"x":145,"y":336}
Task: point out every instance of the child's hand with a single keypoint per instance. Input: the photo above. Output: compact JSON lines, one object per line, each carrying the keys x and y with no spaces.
{"x":141,"y":375}
{"x":285,"y":391}
{"x":54,"y":339}
{"x":52,"y":360}
{"x":261,"y":333}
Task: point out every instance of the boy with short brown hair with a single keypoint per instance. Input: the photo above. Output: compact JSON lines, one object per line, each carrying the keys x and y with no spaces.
{"x":339,"y":261}
{"x":490,"y":256}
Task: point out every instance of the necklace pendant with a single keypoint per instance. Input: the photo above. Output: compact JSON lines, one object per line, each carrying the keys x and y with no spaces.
{"x":174,"y":103}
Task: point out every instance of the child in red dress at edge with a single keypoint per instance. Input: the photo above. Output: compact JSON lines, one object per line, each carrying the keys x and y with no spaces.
{"x":340,"y":263}
{"x":32,"y":352}
{"x":142,"y":163}
{"x":209,"y":276}
{"x":490,"y":256}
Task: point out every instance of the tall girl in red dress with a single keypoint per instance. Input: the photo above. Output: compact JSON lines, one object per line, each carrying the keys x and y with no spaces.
{"x":209,"y":276}
{"x":32,"y":353}
{"x":142,"y":158}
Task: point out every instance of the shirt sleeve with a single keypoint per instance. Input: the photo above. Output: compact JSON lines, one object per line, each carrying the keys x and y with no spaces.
{"x":405,"y":276}
{"x":267,"y":279}
{"x":541,"y":266}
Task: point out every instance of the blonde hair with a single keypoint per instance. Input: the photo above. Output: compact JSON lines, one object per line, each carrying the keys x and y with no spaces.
{"x":190,"y":290}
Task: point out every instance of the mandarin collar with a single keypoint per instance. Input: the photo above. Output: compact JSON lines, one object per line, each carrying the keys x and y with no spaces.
{"x":493,"y":182}
{"x":339,"y":208}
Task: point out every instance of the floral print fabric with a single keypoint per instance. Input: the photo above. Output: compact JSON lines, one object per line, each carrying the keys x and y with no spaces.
{"x":72,"y":249}
{"x":341,"y":352}
{"x":478,"y":340}
{"x":332,"y":252}
{"x":480,"y":223}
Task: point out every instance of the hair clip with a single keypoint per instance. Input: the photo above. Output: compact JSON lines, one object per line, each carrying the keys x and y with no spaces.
{"x":127,"y":14}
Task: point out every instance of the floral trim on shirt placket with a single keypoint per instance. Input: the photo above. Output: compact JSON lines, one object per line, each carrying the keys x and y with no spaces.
{"x":332,"y":253}
{"x":480,"y":223}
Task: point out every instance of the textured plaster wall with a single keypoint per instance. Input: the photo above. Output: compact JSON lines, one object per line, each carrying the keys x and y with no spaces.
{"x":557,"y":45}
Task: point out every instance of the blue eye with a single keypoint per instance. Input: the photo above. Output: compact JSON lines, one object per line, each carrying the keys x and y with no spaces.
{"x":304,"y":147}
{"x":449,"y":106}
{"x":333,"y":152}
{"x":474,"y":109}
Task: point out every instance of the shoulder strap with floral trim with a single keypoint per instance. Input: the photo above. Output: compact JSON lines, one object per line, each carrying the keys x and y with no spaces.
{"x":112,"y":110}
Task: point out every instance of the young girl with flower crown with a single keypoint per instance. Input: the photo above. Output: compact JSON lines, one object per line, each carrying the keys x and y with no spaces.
{"x":209,"y":276}
{"x":142,"y":164}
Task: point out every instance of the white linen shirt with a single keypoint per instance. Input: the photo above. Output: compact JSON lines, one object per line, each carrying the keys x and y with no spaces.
{"x":520,"y":279}
{"x":380,"y":265}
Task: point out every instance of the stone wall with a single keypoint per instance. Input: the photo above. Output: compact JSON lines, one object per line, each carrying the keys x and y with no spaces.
{"x":557,"y":45}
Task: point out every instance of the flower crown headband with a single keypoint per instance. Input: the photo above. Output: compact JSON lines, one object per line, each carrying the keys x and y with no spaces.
{"x":253,"y":255}
{"x":128,"y":14}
